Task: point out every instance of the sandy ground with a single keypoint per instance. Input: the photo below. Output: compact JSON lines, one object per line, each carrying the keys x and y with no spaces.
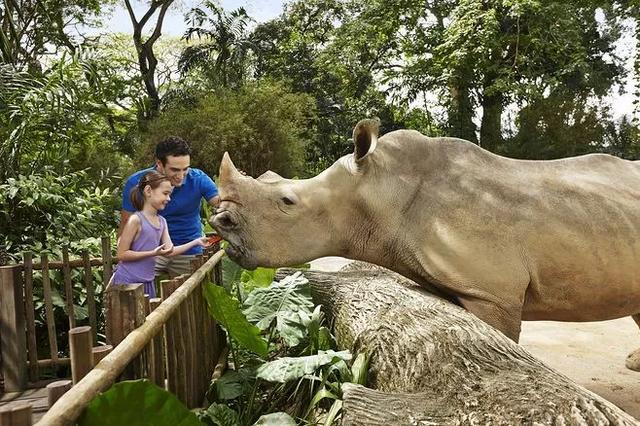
{"x":591,"y":354}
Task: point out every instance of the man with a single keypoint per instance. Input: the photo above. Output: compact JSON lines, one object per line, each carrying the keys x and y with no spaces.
{"x":190,"y":186}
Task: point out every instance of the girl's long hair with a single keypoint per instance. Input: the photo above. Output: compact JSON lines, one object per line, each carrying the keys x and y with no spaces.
{"x":152,"y":179}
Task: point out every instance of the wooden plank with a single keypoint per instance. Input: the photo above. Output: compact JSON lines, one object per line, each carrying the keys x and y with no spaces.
{"x":184,"y":361}
{"x":48,"y":305}
{"x":81,"y":350}
{"x":75,"y":263}
{"x":107,"y":267}
{"x":91,"y":297}
{"x":191,"y":348}
{"x":70,"y":406}
{"x":30,"y":312}
{"x":46,"y":363}
{"x":167,"y":288}
{"x":157,"y":373}
{"x":68,"y":288}
{"x":12,"y":335}
{"x":147,"y":354}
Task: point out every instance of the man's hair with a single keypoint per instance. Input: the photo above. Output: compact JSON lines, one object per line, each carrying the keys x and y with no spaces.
{"x":172,"y":145}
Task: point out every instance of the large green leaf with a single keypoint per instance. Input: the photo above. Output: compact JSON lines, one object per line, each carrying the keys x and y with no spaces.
{"x":226,"y":311}
{"x":275,"y":419}
{"x":231,"y":272}
{"x":232,"y":384}
{"x":220,"y":415}
{"x":281,"y":302}
{"x":287,"y":368}
{"x":258,"y":278}
{"x":138,"y":402}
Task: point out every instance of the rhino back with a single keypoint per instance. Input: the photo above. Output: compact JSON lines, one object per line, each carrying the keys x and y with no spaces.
{"x":562,"y":234}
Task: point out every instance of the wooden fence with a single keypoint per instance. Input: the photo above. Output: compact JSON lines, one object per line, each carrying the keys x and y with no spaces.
{"x":177,"y":345}
{"x":17,"y":311}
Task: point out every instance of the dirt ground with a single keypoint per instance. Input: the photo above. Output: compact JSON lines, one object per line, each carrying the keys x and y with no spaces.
{"x":591,"y":354}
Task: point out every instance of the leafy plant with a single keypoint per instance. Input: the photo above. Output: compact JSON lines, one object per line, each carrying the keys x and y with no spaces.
{"x":301,"y":374}
{"x":226,"y":311}
{"x":137,"y":402}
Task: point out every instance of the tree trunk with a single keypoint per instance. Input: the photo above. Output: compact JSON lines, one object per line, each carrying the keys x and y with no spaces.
{"x":491,"y":125}
{"x":432,"y":362}
{"x":461,"y":111}
{"x":147,"y":60}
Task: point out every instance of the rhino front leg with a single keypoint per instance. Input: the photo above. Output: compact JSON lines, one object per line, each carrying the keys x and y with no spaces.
{"x":633,"y":359}
{"x":505,"y":319}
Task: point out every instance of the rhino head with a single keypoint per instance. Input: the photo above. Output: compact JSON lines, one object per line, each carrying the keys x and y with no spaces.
{"x":272,"y":221}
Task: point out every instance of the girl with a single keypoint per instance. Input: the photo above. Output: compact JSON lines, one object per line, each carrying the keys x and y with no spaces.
{"x":145,"y":234}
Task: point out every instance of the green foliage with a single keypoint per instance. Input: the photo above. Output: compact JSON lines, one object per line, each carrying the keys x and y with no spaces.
{"x":63,"y":119}
{"x":219,"y":415}
{"x":285,"y":369}
{"x":227,"y":312}
{"x":138,"y":402}
{"x":262,"y":126}
{"x":301,"y":376}
{"x":47,"y":210}
{"x":275,"y":419}
{"x":222,"y":57}
{"x":281,"y":303}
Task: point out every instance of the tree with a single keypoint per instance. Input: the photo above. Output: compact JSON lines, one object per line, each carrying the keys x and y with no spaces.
{"x":262,"y":125}
{"x":147,"y":60}
{"x":222,"y":56}
{"x":32,"y":29}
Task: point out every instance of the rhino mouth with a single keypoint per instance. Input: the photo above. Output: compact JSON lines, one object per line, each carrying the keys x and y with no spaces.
{"x":240,"y":255}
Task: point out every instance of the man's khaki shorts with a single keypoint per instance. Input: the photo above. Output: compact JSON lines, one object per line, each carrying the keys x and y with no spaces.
{"x":174,"y":266}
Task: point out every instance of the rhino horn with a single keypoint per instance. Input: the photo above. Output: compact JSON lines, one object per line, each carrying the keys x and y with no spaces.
{"x":365,"y":137}
{"x":228,"y":174}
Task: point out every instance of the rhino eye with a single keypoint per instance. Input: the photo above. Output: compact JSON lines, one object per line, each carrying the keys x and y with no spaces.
{"x":287,"y":201}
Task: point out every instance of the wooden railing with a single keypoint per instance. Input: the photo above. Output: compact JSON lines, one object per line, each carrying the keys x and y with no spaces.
{"x":192,"y":340}
{"x":17,"y":311}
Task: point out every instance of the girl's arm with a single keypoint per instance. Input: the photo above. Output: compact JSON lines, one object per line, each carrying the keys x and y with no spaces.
{"x":202,"y":241}
{"x":129,"y":234}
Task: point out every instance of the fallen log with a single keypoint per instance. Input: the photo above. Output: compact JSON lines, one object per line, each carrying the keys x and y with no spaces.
{"x":432,"y":362}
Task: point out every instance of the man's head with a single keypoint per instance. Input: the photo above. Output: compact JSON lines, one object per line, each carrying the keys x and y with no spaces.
{"x":173,"y":157}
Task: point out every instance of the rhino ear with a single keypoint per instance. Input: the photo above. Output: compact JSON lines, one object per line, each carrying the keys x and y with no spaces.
{"x":365,"y":137}
{"x":269,"y":177}
{"x":228,"y":174}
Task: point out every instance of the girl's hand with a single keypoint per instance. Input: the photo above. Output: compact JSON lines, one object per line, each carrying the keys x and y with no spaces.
{"x":161,"y":250}
{"x":203,"y":242}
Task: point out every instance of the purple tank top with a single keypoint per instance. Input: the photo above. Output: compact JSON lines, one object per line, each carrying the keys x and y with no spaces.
{"x":141,"y":271}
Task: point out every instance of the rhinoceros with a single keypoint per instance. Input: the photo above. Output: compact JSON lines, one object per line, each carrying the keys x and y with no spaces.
{"x":509,"y":240}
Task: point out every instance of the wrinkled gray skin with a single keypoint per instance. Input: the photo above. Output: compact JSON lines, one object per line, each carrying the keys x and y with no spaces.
{"x":509,"y":240}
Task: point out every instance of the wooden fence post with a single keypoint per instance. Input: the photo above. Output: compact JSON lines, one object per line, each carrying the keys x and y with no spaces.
{"x":107,"y":264}
{"x":100,"y":352}
{"x":91,"y":298}
{"x":30,"y":313}
{"x":124,"y":312}
{"x":56,"y":389}
{"x":12,"y":329}
{"x":16,"y":414}
{"x":80,"y":348}
{"x":68,"y":286}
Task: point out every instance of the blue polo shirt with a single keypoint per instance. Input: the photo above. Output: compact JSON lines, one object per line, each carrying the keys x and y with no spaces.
{"x":183,"y":210}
